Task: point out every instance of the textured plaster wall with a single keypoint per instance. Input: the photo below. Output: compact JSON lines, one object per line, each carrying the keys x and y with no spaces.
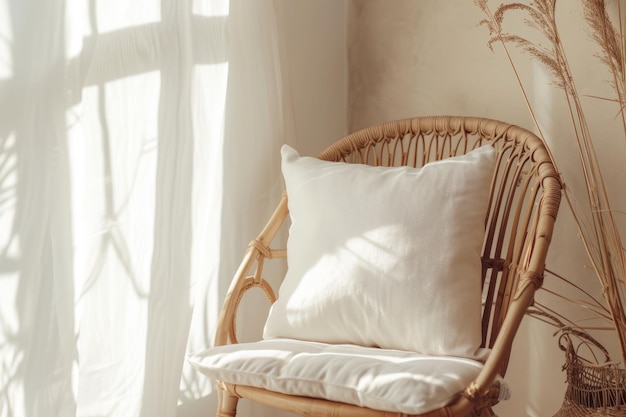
{"x":424,"y":57}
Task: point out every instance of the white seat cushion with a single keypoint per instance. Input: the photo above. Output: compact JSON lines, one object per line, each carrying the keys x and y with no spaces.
{"x":381,"y":379}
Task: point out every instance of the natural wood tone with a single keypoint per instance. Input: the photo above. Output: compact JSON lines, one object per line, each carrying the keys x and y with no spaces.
{"x":524,"y":200}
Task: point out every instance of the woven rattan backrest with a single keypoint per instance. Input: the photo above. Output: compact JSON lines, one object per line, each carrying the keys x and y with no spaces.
{"x":524,"y":188}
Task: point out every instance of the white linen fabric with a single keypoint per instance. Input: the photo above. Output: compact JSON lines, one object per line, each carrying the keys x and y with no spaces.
{"x":381,"y":379}
{"x":121,"y":125}
{"x":385,"y":256}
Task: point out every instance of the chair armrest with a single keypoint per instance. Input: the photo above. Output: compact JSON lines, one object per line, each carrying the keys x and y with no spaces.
{"x":258,"y":251}
{"x":481,"y":389}
{"x":530,"y":280}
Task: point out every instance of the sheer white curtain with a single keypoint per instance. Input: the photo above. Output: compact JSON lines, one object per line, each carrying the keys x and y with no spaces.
{"x":134,"y":138}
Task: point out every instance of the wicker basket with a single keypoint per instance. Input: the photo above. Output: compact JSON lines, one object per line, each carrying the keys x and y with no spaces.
{"x":592,"y":390}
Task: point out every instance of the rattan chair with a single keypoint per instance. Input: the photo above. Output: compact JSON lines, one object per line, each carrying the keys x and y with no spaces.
{"x":523,"y":203}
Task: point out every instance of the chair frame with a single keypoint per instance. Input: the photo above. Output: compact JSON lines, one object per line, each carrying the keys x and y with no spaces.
{"x":524,"y":201}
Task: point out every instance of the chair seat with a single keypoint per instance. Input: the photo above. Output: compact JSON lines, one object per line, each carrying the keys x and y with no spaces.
{"x":380,"y":379}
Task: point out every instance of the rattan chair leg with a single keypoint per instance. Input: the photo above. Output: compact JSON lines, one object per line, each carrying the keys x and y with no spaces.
{"x":226,"y":403}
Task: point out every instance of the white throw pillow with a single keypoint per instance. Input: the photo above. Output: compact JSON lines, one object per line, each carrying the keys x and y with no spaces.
{"x":385,"y":256}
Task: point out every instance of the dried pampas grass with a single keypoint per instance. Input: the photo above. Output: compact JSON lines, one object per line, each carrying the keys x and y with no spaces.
{"x":596,"y":224}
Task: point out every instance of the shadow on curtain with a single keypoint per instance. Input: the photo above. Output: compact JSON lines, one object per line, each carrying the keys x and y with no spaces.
{"x":121,"y":174}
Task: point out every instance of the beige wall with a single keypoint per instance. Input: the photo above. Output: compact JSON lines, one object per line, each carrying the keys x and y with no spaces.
{"x":428,"y":57}
{"x":316,"y":65}
{"x":425,"y":57}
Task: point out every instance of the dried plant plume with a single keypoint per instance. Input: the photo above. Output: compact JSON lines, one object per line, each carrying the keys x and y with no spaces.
{"x":597,"y":228}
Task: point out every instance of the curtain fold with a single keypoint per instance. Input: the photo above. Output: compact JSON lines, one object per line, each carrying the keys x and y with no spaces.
{"x":134,"y":138}
{"x":169,"y":308}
